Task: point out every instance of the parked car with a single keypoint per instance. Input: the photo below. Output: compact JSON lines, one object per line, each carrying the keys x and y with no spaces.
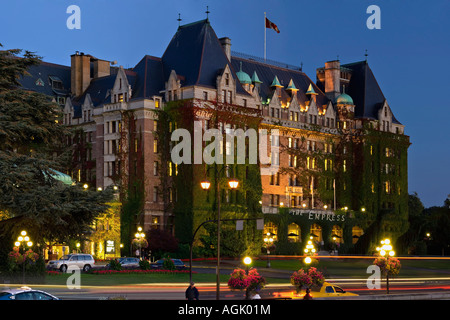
{"x":179,"y":265}
{"x":25,"y":293}
{"x":81,"y":260}
{"x":127,"y":262}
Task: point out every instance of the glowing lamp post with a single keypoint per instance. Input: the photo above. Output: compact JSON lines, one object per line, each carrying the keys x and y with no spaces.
{"x":140,"y":236}
{"x":268,"y":241}
{"x":309,"y":251}
{"x":205,"y":184}
{"x":386,"y":251}
{"x":22,"y":241}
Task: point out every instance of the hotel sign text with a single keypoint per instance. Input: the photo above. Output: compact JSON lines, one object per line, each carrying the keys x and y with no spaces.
{"x":320,"y":215}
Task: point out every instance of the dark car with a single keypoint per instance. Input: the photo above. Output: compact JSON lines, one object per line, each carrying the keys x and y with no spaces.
{"x":179,"y":265}
{"x":25,"y":293}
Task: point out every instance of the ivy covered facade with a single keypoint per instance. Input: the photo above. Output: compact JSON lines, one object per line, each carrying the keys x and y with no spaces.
{"x":338,"y":163}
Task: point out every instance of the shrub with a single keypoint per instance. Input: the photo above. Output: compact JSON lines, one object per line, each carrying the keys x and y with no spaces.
{"x":168,"y":264}
{"x":144,"y":265}
{"x":301,"y":279}
{"x":115,"y":265}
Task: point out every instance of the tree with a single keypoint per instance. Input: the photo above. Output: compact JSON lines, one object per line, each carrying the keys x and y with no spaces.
{"x":161,"y":241}
{"x":411,"y":242}
{"x":31,"y":149}
{"x":439,"y":224}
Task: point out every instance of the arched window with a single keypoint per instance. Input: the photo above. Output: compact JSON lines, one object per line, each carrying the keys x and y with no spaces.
{"x":271,"y":228}
{"x":337,"y":234}
{"x":294,"y":234}
{"x":316,"y":233}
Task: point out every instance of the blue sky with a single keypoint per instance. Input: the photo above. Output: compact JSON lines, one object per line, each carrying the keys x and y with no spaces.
{"x":408,"y":55}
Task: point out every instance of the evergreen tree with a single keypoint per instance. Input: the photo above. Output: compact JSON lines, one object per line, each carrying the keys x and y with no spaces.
{"x":31,"y":148}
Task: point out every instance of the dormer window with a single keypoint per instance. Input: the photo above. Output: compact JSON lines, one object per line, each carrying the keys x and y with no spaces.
{"x":227,"y":79}
{"x":55,"y":82}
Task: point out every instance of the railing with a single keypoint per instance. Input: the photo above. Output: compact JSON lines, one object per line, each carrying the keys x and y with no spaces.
{"x":267,"y":61}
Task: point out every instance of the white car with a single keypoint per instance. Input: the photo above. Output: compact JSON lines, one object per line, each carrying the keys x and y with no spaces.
{"x":81,"y":260}
{"x":25,"y":293}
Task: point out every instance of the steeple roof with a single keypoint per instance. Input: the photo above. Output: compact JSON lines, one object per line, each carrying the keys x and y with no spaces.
{"x":365,"y":91}
{"x":276,"y":82}
{"x":196,"y":54}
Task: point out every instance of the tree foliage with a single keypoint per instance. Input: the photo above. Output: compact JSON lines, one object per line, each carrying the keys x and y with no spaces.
{"x":32,"y":147}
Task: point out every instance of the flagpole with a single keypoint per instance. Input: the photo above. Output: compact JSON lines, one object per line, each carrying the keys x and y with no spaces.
{"x":334,"y":193}
{"x":265,"y":30}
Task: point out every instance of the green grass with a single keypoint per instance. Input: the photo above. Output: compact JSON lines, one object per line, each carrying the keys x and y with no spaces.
{"x":356,"y":268}
{"x":341,"y":268}
{"x":124,"y":279}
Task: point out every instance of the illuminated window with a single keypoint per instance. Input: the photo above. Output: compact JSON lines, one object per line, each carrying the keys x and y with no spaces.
{"x":271,"y":228}
{"x":345,"y":166}
{"x":155,"y":220}
{"x":155,"y":146}
{"x":170,"y":164}
{"x":294,"y":233}
{"x":120,"y":97}
{"x":387,"y":187}
{"x":316,"y":233}
{"x":338,"y":234}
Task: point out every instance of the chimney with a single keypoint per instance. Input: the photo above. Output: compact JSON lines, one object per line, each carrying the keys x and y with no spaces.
{"x":332,"y":79}
{"x":101,"y":68}
{"x":80,"y":72}
{"x":226,"y":45}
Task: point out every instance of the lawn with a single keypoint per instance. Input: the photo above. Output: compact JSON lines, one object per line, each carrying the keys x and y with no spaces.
{"x":331,"y":268}
{"x":357,"y":268}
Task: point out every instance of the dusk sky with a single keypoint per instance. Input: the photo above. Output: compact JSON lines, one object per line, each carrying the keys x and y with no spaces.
{"x":409,"y":55}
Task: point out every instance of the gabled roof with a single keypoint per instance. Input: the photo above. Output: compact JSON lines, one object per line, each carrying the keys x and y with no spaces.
{"x":196,"y":54}
{"x":365,"y":91}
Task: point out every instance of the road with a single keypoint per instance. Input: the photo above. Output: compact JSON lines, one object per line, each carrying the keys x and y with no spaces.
{"x":402,"y":286}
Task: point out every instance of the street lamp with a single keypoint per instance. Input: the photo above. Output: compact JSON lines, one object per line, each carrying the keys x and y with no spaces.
{"x":268,"y":240}
{"x":386,"y":250}
{"x":140,"y":236}
{"x":247,"y":262}
{"x":309,"y":251}
{"x":233,"y":183}
{"x":23,"y":240}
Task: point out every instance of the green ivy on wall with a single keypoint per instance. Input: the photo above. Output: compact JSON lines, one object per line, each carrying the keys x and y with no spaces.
{"x":194,"y":205}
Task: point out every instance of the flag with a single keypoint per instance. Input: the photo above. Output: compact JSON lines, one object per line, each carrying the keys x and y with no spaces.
{"x":271,"y":25}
